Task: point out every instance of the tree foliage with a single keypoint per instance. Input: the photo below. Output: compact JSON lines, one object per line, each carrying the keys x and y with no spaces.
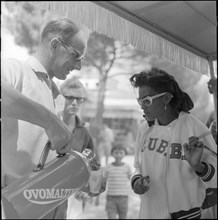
{"x":105,"y":55}
{"x":24,"y":22}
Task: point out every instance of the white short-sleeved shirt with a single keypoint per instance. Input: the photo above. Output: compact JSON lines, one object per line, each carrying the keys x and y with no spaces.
{"x":23,"y":142}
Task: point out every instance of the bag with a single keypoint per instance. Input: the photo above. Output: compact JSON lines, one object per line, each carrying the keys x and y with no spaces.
{"x":210,"y":198}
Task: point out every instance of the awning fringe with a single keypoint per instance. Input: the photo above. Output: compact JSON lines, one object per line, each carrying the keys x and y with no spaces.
{"x":98,"y":19}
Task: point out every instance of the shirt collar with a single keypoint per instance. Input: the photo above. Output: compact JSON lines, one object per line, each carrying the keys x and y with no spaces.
{"x":36,"y":65}
{"x":79,"y":123}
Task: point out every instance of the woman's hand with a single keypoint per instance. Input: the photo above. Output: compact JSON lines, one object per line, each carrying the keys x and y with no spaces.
{"x":193,"y":152}
{"x":141,"y":185}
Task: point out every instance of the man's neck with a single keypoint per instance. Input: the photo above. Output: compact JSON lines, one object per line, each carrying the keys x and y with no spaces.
{"x":43,"y":59}
{"x":69,"y":119}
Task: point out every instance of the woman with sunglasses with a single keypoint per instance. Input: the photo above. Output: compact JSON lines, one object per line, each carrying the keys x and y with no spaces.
{"x":174,"y":158}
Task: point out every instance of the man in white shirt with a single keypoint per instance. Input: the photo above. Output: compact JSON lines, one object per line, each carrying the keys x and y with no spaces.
{"x":28,"y":110}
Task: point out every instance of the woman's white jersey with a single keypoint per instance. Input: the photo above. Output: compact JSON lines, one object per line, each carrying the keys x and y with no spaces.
{"x":174,"y":184}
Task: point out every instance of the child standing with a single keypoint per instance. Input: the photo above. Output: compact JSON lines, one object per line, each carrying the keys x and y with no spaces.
{"x":117,"y":176}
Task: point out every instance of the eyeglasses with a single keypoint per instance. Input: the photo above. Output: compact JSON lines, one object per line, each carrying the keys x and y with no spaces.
{"x":79,"y":100}
{"x":147,"y":101}
{"x":78,"y":57}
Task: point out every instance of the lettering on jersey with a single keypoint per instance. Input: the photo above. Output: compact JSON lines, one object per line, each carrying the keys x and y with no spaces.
{"x":162,"y":146}
{"x":175,"y":151}
{"x":154,"y":141}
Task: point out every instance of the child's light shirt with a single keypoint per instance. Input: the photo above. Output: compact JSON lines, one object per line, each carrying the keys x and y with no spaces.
{"x":117,"y":179}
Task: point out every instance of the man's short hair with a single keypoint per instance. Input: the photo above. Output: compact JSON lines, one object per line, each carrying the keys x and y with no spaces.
{"x":72,"y":83}
{"x":119,"y":147}
{"x":63,"y":27}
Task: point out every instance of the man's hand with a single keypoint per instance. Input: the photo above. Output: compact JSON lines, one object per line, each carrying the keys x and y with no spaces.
{"x":59,"y":135}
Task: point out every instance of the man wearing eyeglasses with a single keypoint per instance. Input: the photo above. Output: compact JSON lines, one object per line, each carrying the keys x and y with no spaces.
{"x":28,"y":109}
{"x":74,"y":94}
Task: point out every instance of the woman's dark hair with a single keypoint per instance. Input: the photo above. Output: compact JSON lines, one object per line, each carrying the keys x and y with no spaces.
{"x":160,"y":81}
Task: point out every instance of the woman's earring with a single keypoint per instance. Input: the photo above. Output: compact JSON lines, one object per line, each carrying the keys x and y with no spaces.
{"x":165,"y":106}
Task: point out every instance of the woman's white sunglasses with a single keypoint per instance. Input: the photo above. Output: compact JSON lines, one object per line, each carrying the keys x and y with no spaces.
{"x":147,"y":101}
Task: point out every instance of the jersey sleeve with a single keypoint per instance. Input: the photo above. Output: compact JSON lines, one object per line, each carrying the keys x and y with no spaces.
{"x":209,"y":156}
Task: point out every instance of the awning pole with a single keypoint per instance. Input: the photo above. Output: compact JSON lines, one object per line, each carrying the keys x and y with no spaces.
{"x":214,"y":93}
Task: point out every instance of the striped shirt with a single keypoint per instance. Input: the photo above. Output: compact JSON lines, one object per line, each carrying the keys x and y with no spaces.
{"x":117,"y":179}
